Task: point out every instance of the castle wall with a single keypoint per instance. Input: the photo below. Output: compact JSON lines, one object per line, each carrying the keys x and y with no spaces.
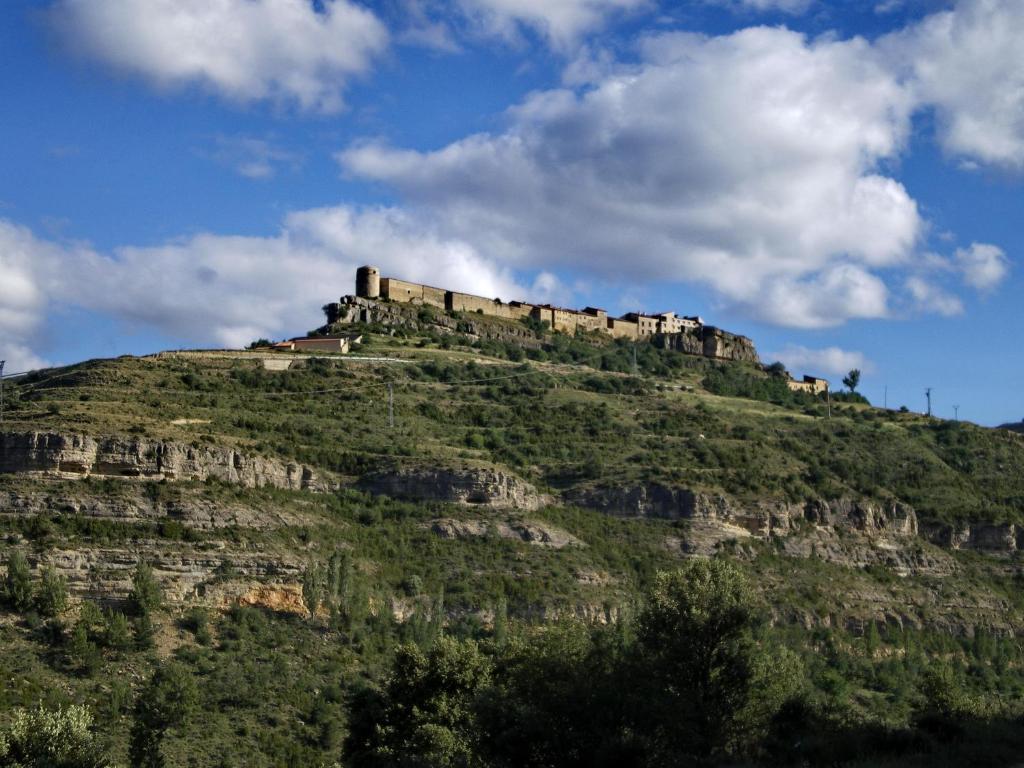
{"x":592,"y":320}
{"x":436,"y":297}
{"x":688,"y":334}
{"x":517,"y":310}
{"x":564,"y":320}
{"x":467,"y":302}
{"x":398,"y":290}
{"x":623,"y":329}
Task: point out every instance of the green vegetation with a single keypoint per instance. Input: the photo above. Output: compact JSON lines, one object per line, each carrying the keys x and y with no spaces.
{"x":209,"y":624}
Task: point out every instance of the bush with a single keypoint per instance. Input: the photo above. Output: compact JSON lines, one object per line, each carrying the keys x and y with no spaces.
{"x":18,"y":582}
{"x":146,"y":595}
{"x":57,"y":738}
{"x":52,"y":594}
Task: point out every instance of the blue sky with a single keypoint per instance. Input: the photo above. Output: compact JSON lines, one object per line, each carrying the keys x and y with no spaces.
{"x":841,"y":181}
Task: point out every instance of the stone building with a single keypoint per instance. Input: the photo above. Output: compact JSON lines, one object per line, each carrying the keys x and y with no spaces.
{"x":712,"y":342}
{"x":810,"y":384}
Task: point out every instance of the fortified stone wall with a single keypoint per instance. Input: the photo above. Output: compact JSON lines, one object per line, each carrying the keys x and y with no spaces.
{"x":684,"y":334}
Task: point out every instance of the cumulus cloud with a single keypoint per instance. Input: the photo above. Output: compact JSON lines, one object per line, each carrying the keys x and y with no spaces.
{"x":983,"y":266}
{"x":246,"y":50}
{"x":832,"y":361}
{"x":228,"y":290}
{"x":968,"y":64}
{"x":749,"y":162}
{"x":928,"y":297}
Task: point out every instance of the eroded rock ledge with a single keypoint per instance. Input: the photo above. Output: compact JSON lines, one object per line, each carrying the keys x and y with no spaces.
{"x":761,"y":518}
{"x":479,"y":486}
{"x":71,"y":456}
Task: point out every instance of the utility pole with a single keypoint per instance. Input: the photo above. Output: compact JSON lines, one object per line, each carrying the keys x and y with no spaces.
{"x":928,"y":394}
{"x":634,"y":358}
{"x":828,"y":402}
{"x":2,"y":364}
{"x":391,"y":405}
{"x":956,"y":413}
{"x":885,"y":398}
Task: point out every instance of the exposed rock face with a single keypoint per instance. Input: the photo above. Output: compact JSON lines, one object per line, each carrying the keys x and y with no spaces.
{"x":465,"y":485}
{"x":190,"y":509}
{"x":762,"y":518}
{"x":991,"y":538}
{"x":77,"y":456}
{"x":202,"y":574}
{"x":529,"y":531}
{"x":853,"y":533}
{"x":710,"y":342}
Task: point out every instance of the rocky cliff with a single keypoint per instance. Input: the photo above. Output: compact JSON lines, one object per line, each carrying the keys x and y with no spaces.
{"x":456,"y":485}
{"x":70,"y":455}
{"x":710,"y":342}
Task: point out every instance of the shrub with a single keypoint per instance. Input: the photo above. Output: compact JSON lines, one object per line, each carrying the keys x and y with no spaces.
{"x":18,"y":582}
{"x":57,"y":738}
{"x":52,"y":594}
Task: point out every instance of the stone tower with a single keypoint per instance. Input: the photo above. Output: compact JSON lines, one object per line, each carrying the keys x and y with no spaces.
{"x":368,"y":282}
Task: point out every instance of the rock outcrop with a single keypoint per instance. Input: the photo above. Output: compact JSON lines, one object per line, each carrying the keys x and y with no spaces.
{"x":761,"y":518}
{"x":990,"y":538}
{"x":528,"y":531}
{"x":132,"y":505}
{"x":69,"y":455}
{"x":709,"y":341}
{"x":456,"y":485}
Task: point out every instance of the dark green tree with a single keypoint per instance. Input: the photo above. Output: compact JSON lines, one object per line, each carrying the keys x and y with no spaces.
{"x":52,"y":593}
{"x":708,"y":686}
{"x":18,"y":581}
{"x":852,"y":379}
{"x":314,"y":587}
{"x":427,"y":714}
{"x":146,"y":594}
{"x":166,"y":702}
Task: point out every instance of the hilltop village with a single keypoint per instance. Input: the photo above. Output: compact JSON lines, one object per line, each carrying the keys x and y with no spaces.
{"x":688,"y":334}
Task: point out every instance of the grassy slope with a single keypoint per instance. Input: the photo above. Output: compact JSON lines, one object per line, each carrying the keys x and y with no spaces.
{"x":272,"y":687}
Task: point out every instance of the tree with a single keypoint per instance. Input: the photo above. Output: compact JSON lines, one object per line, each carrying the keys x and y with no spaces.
{"x":166,"y":702}
{"x":313,"y":588}
{"x":146,"y":594}
{"x":18,"y":582}
{"x":708,"y":687}
{"x":426,"y":715}
{"x":777,"y":369}
{"x":52,"y":595}
{"x":852,"y":379}
{"x":57,"y":738}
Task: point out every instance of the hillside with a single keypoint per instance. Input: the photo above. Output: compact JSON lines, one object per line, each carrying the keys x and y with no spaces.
{"x":504,"y":482}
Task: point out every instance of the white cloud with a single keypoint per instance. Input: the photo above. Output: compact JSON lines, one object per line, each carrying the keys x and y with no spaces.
{"x":833,"y":361}
{"x":928,"y":297}
{"x":968,"y":63}
{"x":252,"y":157}
{"x":761,"y":6}
{"x":749,"y":163}
{"x":246,"y":50}
{"x":217,"y":289}
{"x":560,"y":21}
{"x":983,"y":266}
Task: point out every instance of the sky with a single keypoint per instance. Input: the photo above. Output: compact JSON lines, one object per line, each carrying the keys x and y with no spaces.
{"x":839,"y":180}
